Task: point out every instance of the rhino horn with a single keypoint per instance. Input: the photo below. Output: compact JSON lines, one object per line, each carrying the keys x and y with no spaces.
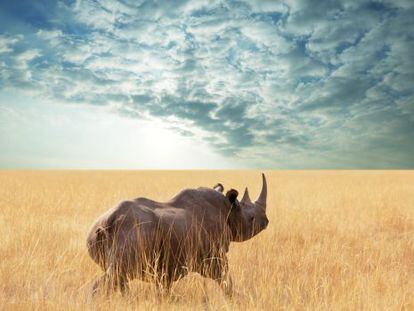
{"x":246,"y":198}
{"x":261,"y":200}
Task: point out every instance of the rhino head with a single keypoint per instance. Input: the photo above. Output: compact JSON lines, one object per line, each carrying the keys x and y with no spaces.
{"x":247,"y":218}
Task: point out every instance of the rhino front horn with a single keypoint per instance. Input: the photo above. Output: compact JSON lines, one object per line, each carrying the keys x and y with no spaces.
{"x":261,"y":200}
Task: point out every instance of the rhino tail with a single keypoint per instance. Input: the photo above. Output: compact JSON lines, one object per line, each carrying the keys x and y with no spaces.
{"x":101,"y":246}
{"x":106,"y":237}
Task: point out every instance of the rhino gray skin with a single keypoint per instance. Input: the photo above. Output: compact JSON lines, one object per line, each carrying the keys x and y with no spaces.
{"x":162,"y":242}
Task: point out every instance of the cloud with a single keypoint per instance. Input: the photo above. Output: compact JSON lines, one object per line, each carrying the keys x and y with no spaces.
{"x":261,"y":80}
{"x":7,"y":42}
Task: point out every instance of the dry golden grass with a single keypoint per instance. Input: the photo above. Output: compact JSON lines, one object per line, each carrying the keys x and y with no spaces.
{"x":336,"y":240}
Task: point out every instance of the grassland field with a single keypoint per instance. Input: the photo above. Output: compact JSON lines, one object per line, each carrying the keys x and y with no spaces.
{"x":337,"y":240}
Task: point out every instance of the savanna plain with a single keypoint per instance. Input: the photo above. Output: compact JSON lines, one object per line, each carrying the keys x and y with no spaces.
{"x":337,"y":240}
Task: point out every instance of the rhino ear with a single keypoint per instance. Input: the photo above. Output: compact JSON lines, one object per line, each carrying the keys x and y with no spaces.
{"x":219,"y":187}
{"x":232,"y":195}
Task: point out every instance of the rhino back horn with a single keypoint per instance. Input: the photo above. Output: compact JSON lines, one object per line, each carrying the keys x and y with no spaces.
{"x":246,"y":197}
{"x":261,"y":200}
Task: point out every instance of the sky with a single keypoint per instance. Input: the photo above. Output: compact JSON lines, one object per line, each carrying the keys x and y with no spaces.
{"x":292,"y":84}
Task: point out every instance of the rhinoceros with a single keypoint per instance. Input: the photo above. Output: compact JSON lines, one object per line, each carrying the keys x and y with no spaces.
{"x":162,"y":242}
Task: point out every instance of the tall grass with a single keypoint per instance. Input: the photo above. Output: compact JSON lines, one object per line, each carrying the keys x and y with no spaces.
{"x":336,"y":240}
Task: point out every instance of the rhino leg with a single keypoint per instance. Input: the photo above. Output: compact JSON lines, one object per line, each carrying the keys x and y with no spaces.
{"x":124,"y":286}
{"x":98,"y":282}
{"x":111,"y":282}
{"x":116,"y":280}
{"x":163,"y":288}
{"x":217,"y":268}
{"x":226,"y":283}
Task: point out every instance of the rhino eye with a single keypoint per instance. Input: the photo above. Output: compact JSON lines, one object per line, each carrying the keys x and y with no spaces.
{"x":251,"y":218}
